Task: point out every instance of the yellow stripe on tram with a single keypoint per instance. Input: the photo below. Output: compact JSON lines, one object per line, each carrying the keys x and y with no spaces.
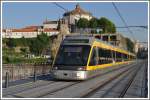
{"x":106,"y":65}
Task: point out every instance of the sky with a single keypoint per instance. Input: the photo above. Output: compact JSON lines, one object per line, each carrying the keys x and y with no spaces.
{"x":18,"y":15}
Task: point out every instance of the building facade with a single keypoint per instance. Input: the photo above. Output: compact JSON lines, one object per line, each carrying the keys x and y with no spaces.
{"x":73,"y":16}
{"x":115,"y":39}
{"x":50,"y":24}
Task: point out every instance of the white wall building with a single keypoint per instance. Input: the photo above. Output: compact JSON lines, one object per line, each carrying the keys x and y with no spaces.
{"x":51,"y":32}
{"x":50,"y":24}
{"x":28,"y":32}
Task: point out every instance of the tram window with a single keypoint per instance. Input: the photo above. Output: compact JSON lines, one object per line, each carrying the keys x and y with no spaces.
{"x":109,"y":56}
{"x":130,"y":57}
{"x":119,"y":58}
{"x":114,"y":55}
{"x":108,"y":53}
{"x":125,"y":57}
{"x":104,"y":56}
{"x":72,"y":55}
{"x":93,"y":58}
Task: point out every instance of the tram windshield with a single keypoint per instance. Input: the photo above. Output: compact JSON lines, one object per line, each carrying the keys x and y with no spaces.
{"x":74,"y":55}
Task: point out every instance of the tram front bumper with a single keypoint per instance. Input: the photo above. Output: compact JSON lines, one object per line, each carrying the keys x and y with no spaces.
{"x":69,"y":74}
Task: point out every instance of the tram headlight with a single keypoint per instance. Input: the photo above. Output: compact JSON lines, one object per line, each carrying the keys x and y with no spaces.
{"x":80,"y":74}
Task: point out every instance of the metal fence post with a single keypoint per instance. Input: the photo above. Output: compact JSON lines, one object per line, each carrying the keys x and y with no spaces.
{"x":34,"y":73}
{"x":6,"y":79}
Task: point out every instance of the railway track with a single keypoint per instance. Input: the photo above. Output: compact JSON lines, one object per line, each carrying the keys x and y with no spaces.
{"x":25,"y":86}
{"x":77,"y":83}
{"x":114,"y":88}
{"x":99,"y":85}
{"x":129,"y":83}
{"x":56,"y":87}
{"x":41,"y":90}
{"x":69,"y":91}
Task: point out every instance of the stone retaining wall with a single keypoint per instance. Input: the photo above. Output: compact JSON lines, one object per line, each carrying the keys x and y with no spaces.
{"x":22,"y":71}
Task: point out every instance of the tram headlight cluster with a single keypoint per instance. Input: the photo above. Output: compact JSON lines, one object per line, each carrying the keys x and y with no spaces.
{"x":80,"y":74}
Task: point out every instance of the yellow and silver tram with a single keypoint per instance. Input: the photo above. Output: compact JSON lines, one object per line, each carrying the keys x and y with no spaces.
{"x":82,"y":56}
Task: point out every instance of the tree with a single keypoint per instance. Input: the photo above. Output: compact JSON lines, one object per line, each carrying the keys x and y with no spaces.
{"x":130,"y":45}
{"x":106,"y":25}
{"x":82,"y":23}
{"x":43,"y":38}
{"x":24,"y":50}
{"x":113,"y":28}
{"x":93,"y":23}
{"x":11,"y":42}
{"x":39,"y":44}
{"x":24,"y":41}
{"x":36,"y":47}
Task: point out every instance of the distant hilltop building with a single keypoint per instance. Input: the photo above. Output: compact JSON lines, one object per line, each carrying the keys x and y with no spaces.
{"x":50,"y":27}
{"x":73,"y":16}
{"x":69,"y":18}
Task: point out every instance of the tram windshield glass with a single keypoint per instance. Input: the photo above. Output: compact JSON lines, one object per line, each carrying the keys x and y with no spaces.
{"x":74,"y":55}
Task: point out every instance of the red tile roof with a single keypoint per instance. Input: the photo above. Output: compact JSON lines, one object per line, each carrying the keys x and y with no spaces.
{"x":77,"y":10}
{"x":24,"y":30}
{"x":50,"y":30}
{"x":33,"y":30}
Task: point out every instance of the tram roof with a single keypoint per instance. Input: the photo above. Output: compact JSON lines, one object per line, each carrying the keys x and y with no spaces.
{"x":87,"y":39}
{"x":90,"y":37}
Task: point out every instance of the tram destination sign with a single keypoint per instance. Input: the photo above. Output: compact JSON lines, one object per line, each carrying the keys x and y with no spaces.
{"x":76,"y":41}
